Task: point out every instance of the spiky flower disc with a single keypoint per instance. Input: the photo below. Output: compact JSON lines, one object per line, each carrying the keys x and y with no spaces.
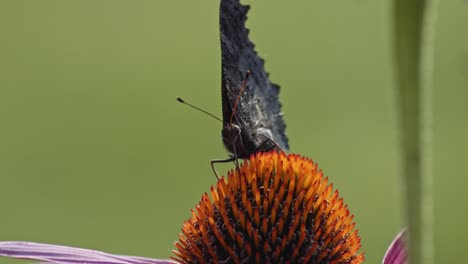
{"x":275,"y":208}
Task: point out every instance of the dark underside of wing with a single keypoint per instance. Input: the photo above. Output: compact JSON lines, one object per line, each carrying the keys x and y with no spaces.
{"x":259,"y":104}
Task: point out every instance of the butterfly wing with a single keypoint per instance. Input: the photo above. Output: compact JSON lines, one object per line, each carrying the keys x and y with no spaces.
{"x":258,"y":108}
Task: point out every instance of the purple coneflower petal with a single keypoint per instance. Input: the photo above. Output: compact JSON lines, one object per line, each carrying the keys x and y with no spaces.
{"x":68,"y":255}
{"x":396,"y":253}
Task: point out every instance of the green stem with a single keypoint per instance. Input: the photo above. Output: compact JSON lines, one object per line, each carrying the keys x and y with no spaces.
{"x":414,"y":22}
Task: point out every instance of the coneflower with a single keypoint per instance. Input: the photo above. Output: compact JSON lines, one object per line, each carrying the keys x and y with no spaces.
{"x":274,"y":208}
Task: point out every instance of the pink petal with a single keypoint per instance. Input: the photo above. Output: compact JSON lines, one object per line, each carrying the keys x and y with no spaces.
{"x":68,"y":255}
{"x":396,"y":253}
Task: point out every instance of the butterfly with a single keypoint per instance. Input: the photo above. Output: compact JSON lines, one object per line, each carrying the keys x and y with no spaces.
{"x":252,"y":117}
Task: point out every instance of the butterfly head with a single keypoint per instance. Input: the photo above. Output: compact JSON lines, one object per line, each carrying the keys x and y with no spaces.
{"x":232,"y":139}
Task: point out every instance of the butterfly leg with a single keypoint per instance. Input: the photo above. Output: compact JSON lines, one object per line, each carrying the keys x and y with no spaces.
{"x":275,"y":145}
{"x":232,"y":158}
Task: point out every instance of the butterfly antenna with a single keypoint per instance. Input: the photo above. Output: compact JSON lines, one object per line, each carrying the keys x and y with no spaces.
{"x":244,"y":84}
{"x":199,"y":109}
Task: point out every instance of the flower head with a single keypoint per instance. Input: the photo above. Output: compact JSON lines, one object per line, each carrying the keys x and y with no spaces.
{"x":274,"y":208}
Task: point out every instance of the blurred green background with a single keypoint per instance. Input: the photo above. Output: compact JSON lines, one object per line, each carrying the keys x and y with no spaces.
{"x":95,"y":152}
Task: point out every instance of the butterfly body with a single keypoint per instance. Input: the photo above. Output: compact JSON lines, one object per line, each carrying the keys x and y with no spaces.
{"x":252,"y":118}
